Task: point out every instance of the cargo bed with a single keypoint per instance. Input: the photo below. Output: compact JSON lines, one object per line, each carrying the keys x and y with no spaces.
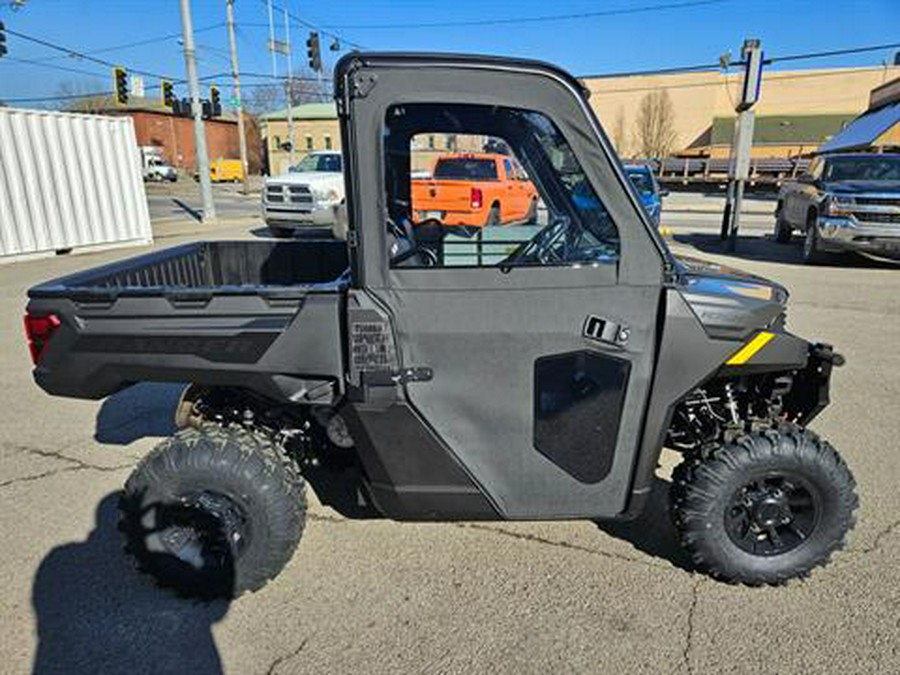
{"x":264,"y":315}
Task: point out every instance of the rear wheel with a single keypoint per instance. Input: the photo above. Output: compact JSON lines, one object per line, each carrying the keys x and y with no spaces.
{"x":767,"y":508}
{"x":213,"y":512}
{"x":493,"y":218}
{"x":531,"y":216}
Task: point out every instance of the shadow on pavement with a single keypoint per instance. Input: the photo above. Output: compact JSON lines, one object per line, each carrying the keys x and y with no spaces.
{"x":96,"y":614}
{"x":305,"y":233}
{"x":145,"y":409}
{"x":188,"y":209}
{"x":764,"y":249}
{"x":652,"y":532}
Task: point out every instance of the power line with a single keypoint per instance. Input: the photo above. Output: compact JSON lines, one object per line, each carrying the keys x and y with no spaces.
{"x":771,"y":77}
{"x":834,"y":52}
{"x":535,"y":19}
{"x":82,"y":55}
{"x":138,"y":43}
{"x":51,"y":66}
{"x":310,"y":25}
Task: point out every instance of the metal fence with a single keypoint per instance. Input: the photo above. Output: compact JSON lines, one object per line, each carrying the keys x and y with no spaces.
{"x":69,"y":181}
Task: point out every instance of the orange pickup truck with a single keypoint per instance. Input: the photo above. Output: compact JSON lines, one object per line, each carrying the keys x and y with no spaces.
{"x":475,"y":190}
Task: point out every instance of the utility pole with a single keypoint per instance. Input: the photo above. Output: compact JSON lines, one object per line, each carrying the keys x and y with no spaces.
{"x":235,"y":75}
{"x":289,"y":88}
{"x":272,"y":41}
{"x":752,"y":56}
{"x":202,"y":157}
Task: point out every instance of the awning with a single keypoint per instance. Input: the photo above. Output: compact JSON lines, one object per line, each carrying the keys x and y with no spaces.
{"x":863,"y":131}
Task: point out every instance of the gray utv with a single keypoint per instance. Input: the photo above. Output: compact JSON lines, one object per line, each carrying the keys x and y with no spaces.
{"x":423,"y":370}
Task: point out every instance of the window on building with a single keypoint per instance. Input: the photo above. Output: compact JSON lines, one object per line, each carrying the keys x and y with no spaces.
{"x":309,"y":142}
{"x":459,"y":209}
{"x":277,"y":142}
{"x":451,"y":141}
{"x":327,"y":142}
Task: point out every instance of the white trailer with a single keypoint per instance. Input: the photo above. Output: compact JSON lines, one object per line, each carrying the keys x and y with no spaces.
{"x":69,"y":181}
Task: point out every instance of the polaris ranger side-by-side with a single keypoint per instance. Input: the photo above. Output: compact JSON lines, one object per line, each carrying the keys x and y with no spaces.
{"x":409,"y":374}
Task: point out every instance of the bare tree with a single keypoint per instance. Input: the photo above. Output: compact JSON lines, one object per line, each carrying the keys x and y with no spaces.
{"x":308,"y":87}
{"x":619,"y":132}
{"x":264,"y":98}
{"x":78,"y":96}
{"x":655,"y":125}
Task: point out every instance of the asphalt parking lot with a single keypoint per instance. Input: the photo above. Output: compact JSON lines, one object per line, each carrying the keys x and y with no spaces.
{"x":464,"y":598}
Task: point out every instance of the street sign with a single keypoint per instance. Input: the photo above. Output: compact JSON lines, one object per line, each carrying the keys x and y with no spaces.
{"x":137,"y":86}
{"x":279,"y":47}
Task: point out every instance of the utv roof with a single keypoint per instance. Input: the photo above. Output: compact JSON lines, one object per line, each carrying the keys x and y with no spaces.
{"x":452,"y":60}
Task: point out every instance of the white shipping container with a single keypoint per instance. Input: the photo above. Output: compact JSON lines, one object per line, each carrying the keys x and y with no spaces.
{"x":67,"y":181}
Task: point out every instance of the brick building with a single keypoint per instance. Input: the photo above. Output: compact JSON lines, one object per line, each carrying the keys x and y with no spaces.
{"x":154,"y":124}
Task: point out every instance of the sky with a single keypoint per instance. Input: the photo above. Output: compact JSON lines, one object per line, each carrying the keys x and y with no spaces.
{"x":585,"y":37}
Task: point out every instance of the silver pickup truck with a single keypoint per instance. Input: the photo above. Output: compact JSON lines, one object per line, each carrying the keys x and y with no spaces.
{"x":845,"y":202}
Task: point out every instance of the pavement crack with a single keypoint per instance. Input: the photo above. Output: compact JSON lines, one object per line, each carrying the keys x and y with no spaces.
{"x":78,"y":466}
{"x":286,"y":657}
{"x":689,"y":628}
{"x":879,"y":538}
{"x":533,"y":538}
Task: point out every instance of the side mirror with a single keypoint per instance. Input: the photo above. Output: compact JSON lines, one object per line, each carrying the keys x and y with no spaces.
{"x":663,"y":192}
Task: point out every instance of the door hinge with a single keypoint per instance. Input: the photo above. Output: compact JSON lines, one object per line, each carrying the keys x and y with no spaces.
{"x":606,"y":331}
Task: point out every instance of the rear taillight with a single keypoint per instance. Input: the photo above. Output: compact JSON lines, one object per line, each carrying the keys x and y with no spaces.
{"x":39,"y":330}
{"x":475,"y":198}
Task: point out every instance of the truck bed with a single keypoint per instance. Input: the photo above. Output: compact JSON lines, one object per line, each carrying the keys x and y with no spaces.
{"x":264,"y":315}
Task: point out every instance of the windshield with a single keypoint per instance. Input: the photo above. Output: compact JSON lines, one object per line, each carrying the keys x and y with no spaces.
{"x":871,"y":167}
{"x":466,"y":168}
{"x":326,"y":163}
{"x":642,"y":181}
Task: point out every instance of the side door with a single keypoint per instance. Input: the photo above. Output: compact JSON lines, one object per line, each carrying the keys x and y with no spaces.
{"x":513,"y":195}
{"x":530,"y":361}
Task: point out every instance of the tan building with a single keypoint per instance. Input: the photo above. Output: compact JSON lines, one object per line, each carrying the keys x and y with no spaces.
{"x":798,"y":110}
{"x":315,"y":128}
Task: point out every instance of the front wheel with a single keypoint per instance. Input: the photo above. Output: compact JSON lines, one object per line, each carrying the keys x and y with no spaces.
{"x":213,"y":511}
{"x":765,"y":509}
{"x":783,"y":231}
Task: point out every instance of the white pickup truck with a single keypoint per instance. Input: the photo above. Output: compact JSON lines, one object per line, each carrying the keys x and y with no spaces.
{"x":154,"y":166}
{"x":307,"y":197}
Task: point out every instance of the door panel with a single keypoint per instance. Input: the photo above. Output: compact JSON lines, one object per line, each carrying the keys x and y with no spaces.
{"x":481,"y":400}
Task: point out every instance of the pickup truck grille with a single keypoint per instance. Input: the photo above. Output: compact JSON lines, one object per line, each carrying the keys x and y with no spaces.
{"x":878,"y":201}
{"x":289,"y":194}
{"x":893,"y":218}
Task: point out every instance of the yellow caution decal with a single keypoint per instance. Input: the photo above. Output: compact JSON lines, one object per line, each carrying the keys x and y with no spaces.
{"x":746,"y":352}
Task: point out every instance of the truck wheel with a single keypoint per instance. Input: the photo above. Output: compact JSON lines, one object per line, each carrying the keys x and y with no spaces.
{"x":767,"y":508}
{"x":213,"y":512}
{"x":493,"y":218}
{"x":531,"y":216}
{"x":783,"y":231}
{"x":812,"y":251}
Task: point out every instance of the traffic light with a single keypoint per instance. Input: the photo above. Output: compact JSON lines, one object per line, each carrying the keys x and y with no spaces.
{"x":2,"y":39}
{"x":215,"y":102}
{"x":121,"y":77}
{"x":312,"y":52}
{"x":168,"y":94}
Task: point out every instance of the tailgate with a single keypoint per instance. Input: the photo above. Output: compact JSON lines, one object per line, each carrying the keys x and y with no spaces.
{"x":443,"y":195}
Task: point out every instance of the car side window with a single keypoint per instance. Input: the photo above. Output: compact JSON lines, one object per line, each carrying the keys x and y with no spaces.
{"x":448,"y":208}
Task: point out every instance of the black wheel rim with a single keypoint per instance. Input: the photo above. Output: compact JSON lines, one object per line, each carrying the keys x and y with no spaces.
{"x":205,"y":530}
{"x":772,"y":515}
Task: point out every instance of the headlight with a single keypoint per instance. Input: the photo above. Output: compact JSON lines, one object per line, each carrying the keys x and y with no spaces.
{"x":839,"y":205}
{"x":326,"y":196}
